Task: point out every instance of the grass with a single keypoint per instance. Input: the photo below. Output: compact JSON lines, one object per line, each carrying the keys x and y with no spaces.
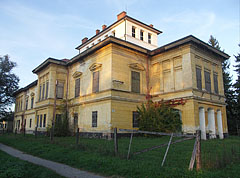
{"x":97,"y":155}
{"x":11,"y":167}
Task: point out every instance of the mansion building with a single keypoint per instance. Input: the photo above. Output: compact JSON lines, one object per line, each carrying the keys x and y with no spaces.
{"x":114,"y":72}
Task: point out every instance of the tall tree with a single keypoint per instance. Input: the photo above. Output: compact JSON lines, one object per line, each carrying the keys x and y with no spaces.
{"x":237,"y":92}
{"x":228,"y":91}
{"x":8,"y":84}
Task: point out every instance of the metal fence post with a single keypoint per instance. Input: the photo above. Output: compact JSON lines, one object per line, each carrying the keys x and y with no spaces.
{"x":115,"y":141}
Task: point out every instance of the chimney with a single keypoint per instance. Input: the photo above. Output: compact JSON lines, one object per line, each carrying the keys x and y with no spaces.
{"x":151,"y":25}
{"x":121,"y":15}
{"x":84,"y":40}
{"x":103,"y":27}
{"x":97,"y":31}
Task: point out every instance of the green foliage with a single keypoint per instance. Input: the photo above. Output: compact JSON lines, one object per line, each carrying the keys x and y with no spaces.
{"x":214,"y":42}
{"x":61,"y":127}
{"x":159,"y":118}
{"x":8,"y":84}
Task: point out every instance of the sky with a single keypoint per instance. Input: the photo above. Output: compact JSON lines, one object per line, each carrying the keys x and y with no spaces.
{"x":31,"y":31}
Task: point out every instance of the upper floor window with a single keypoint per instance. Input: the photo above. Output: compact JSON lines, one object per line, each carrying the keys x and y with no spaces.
{"x":215,"y":80}
{"x":94,"y":119}
{"x":207,"y":81}
{"x":113,"y":33}
{"x":95,"y":84}
{"x":40,"y":93}
{"x":26,"y":104}
{"x":32,"y":101}
{"x":133,"y":31}
{"x":135,"y":121}
{"x":43,"y":91}
{"x":149,"y":38}
{"x":135,"y":82}
{"x":77,"y":87}
{"x":60,"y":89}
{"x":199,"y":78}
{"x":141,"y":35}
{"x":47,"y":84}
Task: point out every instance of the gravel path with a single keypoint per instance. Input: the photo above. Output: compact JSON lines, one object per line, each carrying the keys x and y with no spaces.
{"x":59,"y":168}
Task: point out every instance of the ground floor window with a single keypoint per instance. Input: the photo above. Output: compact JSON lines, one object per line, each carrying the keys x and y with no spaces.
{"x":135,"y":121}
{"x":40,"y":125}
{"x":94,"y":119}
{"x":30,"y":123}
{"x":44,"y":120}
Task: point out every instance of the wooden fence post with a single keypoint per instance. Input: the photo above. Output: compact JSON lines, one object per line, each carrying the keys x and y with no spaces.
{"x":77,"y":136}
{"x":129,"y":147}
{"x":193,"y":156}
{"x":115,"y":141}
{"x":169,"y":143}
{"x":198,"y":155}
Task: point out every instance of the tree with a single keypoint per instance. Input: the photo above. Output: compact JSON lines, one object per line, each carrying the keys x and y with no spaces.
{"x":159,"y":118}
{"x":237,"y":92}
{"x":8,"y":84}
{"x":228,"y":88}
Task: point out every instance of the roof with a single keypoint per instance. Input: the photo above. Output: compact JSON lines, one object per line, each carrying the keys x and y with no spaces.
{"x":25,"y":88}
{"x":49,"y":61}
{"x":186,"y":40}
{"x":114,"y":24}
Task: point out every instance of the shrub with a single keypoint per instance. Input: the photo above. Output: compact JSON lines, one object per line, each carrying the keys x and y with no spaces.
{"x":159,"y":118}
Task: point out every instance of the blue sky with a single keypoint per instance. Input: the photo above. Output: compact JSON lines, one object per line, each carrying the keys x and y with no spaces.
{"x":31,"y":31}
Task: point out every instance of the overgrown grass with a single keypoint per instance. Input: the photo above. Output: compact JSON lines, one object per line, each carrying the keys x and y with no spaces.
{"x":97,"y":155}
{"x":11,"y":167}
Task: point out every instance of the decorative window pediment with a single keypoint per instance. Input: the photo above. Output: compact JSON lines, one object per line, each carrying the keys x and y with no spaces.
{"x":77,"y":74}
{"x":136,"y":66}
{"x":95,"y":66}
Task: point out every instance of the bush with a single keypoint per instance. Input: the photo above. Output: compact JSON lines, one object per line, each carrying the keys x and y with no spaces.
{"x":159,"y":118}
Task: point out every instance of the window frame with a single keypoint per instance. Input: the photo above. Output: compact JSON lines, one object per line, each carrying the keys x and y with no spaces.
{"x":44,"y":120}
{"x":133,"y":32}
{"x":95,"y":85}
{"x":94,"y":118}
{"x":141,"y":35}
{"x":60,"y":87}
{"x":134,"y":80}
{"x":149,"y":38}
{"x":135,"y":121}
{"x":40,"y":93}
{"x":207,"y":75}
{"x":47,"y":86}
{"x":215,"y":82}
{"x":199,"y":80}
{"x":77,"y":87}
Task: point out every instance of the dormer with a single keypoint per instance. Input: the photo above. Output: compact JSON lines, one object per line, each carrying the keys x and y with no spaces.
{"x":125,"y":28}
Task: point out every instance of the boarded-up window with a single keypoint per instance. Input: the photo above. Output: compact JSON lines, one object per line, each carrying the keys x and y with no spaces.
{"x":135,"y":83}
{"x":43,"y":91}
{"x":94,"y":119}
{"x":215,"y":78}
{"x":40,"y":92}
{"x":95,"y":87}
{"x":44,"y":120}
{"x":207,"y":81}
{"x":40,"y":125}
{"x":178,"y":79}
{"x":47,"y":90}
{"x":60,"y":87}
{"x":77,"y":87}
{"x":199,"y":78}
{"x":167,"y":81}
{"x":135,"y":119}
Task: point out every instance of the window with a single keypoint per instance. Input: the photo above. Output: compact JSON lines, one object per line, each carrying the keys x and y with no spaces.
{"x":21,"y":105}
{"x":18,"y":125}
{"x":47,"y":90}
{"x":30,"y":123}
{"x":58,"y":118}
{"x":135,"y":119}
{"x":26,"y":107}
{"x":60,"y":87}
{"x":40,"y":92}
{"x":40,"y":125}
{"x":199,"y":78}
{"x":32,"y":101}
{"x":44,"y":120}
{"x":215,"y":79}
{"x":43,"y":91}
{"x":37,"y":120}
{"x":113,"y":33}
{"x":135,"y":82}
{"x":95,"y":87}
{"x":94,"y":119}
{"x":77,"y":87}
{"x":141,"y":35}
{"x":75,"y":120}
{"x":133,"y":32}
{"x":149,"y":38}
{"x":207,"y":81}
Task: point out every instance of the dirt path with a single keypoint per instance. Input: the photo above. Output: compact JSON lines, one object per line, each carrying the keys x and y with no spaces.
{"x":59,"y":168}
